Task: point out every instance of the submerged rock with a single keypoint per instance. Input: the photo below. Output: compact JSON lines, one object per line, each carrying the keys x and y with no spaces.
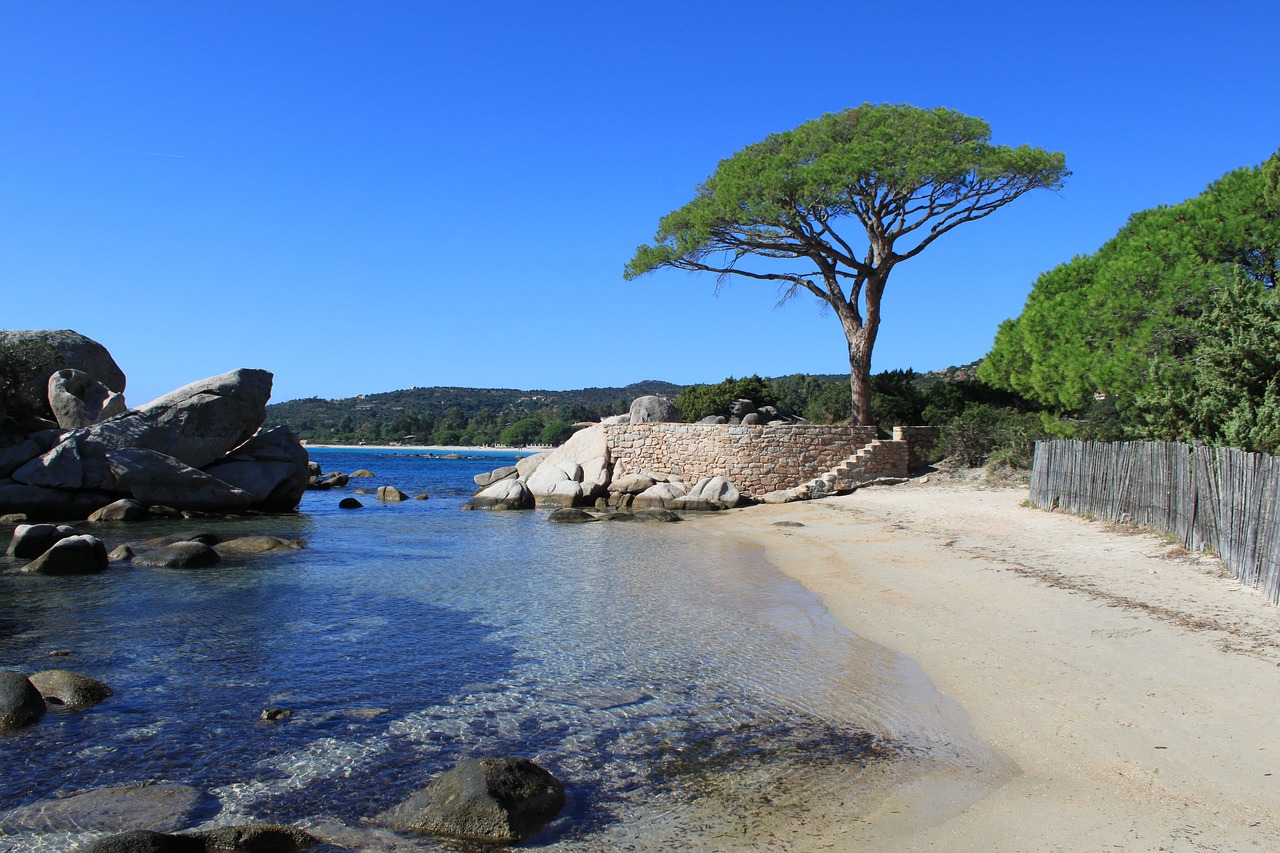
{"x":571,"y":515}
{"x":179,"y":555}
{"x":164,"y":806}
{"x":75,"y":691}
{"x":487,"y":799}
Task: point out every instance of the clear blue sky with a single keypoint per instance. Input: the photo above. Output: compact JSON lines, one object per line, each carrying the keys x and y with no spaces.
{"x":370,"y":196}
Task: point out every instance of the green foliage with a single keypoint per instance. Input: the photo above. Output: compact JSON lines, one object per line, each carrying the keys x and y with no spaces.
{"x":21,"y":361}
{"x":556,"y":433}
{"x":1098,"y":326}
{"x":904,"y":175}
{"x":523,"y":432}
{"x":1228,"y":391}
{"x":699,"y":401}
{"x":983,"y":432}
{"x":459,"y":416}
{"x":897,"y":399}
{"x":832,"y":405}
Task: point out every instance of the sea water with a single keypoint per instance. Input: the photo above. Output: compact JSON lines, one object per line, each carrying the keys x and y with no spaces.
{"x":681,"y":687}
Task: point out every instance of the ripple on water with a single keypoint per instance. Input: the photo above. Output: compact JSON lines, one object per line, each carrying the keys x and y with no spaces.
{"x":680,"y":686}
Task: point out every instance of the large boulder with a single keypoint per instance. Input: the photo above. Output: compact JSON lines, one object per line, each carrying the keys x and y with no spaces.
{"x":31,"y":540}
{"x":653,"y":409}
{"x":75,"y":691}
{"x":488,"y":478}
{"x":155,"y":478}
{"x":20,"y":702}
{"x":125,"y":509}
{"x":272,"y":467}
{"x":583,"y":459}
{"x":74,"y":555}
{"x":710,"y":493}
{"x":500,"y":800}
{"x":74,"y":351}
{"x":78,"y":400}
{"x":659,"y":496}
{"x":504,"y":494}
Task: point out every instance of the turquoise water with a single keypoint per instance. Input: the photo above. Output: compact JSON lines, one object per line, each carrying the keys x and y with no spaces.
{"x":673,"y":681}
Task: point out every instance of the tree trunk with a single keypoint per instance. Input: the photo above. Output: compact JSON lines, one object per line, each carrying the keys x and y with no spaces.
{"x":860,"y":375}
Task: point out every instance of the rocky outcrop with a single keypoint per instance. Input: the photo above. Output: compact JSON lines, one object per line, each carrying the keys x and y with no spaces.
{"x":74,"y":351}
{"x":653,"y":409}
{"x":500,"y":800}
{"x":505,"y":494}
{"x":179,"y":555}
{"x":78,"y":400}
{"x":20,"y":702}
{"x":576,"y":472}
{"x":198,"y":449}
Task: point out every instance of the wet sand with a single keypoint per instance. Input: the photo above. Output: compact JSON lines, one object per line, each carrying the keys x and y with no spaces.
{"x":1133,"y":688}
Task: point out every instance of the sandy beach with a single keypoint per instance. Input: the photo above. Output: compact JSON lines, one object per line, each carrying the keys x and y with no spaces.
{"x":1133,"y":687}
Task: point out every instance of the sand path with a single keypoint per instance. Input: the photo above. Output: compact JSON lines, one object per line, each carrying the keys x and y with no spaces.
{"x":1135,"y":688}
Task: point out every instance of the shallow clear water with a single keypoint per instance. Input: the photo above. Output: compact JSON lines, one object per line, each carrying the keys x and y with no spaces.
{"x":672,"y":681}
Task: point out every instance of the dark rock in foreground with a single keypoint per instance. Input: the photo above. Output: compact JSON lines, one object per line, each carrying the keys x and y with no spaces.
{"x":75,"y":555}
{"x":20,"y":702}
{"x":486,"y":799}
{"x":256,"y":838}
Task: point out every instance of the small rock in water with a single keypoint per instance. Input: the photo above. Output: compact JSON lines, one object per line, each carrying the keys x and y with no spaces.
{"x":571,"y":515}
{"x":273,"y":714}
{"x":20,"y":702}
{"x":363,"y":473}
{"x":179,"y":555}
{"x":391,"y":493}
{"x":349,"y":503}
{"x":75,"y":691}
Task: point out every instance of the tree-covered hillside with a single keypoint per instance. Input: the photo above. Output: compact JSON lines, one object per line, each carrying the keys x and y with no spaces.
{"x":454,"y":416}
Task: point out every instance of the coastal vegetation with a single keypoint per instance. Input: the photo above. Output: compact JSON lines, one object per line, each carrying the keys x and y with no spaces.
{"x":904,"y":175}
{"x":1168,"y":331}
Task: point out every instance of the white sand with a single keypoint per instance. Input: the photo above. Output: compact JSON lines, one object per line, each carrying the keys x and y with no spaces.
{"x":1134,"y":689}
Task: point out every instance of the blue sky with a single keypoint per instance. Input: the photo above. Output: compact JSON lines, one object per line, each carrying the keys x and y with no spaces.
{"x":363,"y":197}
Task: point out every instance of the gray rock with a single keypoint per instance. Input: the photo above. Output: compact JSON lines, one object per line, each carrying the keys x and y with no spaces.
{"x":78,"y":400}
{"x":562,"y":494}
{"x":166,"y":806}
{"x":261,"y":544}
{"x":571,"y":515}
{"x":59,"y":468}
{"x":714,"y":419}
{"x":180,"y":555}
{"x":653,"y":409}
{"x":488,"y":799}
{"x":74,"y":555}
{"x":125,"y":509}
{"x":39,"y":502}
{"x":20,"y":702}
{"x":783,"y":496}
{"x":74,"y":351}
{"x":490,"y":477}
{"x":75,"y":691}
{"x":710,"y":493}
{"x":145,"y":841}
{"x":751,"y":418}
{"x":632,"y":484}
{"x":391,"y":494}
{"x":14,"y":456}
{"x":256,"y":838}
{"x":740,"y":408}
{"x":349,"y":503}
{"x":526,"y":466}
{"x":155,"y":478}
{"x":120,"y":554}
{"x":660,"y":495}
{"x":31,"y":540}
{"x":333,"y":480}
{"x":272,"y":467}
{"x":362,"y":473}
{"x":502,"y":495}
{"x":648,"y":515}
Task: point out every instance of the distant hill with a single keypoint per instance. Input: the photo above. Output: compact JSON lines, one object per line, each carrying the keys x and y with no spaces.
{"x":455,"y":415}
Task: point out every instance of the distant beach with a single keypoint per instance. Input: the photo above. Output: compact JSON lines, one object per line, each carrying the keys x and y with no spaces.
{"x":1131,"y":685}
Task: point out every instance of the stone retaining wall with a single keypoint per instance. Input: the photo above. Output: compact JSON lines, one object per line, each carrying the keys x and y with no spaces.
{"x":919,"y":440}
{"x":756,"y":458}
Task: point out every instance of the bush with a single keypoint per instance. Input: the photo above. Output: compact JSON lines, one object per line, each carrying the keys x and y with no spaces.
{"x":983,"y":432}
{"x":699,"y":401}
{"x":19,"y":362}
{"x":556,"y":433}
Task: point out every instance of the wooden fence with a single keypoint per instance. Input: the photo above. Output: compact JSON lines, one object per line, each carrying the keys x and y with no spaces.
{"x":1214,"y":499}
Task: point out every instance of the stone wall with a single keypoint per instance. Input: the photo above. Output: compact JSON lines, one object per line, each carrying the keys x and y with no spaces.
{"x":756,"y":458}
{"x":919,"y":440}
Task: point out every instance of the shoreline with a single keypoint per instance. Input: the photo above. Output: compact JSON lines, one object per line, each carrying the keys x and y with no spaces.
{"x":433,"y":449}
{"x":1130,"y":686}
